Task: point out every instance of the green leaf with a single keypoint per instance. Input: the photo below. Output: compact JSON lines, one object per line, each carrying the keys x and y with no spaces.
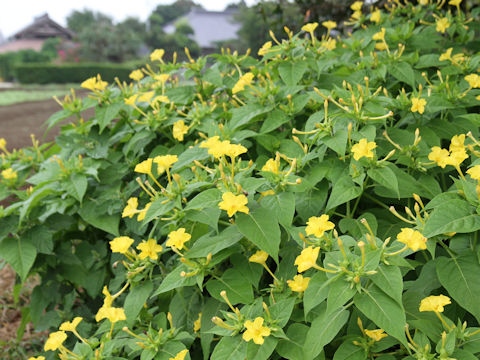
{"x":343,"y":190}
{"x":188,"y":156}
{"x":109,"y":223}
{"x":261,"y":228}
{"x":452,"y":216}
{"x":238,"y":288}
{"x":323,"y":330}
{"x":35,"y":198}
{"x":292,"y":72}
{"x":459,"y":276}
{"x":390,"y":280}
{"x":283,"y":205}
{"x":261,"y":352}
{"x":136,"y":298}
{"x":19,"y":253}
{"x":207,"y":216}
{"x":213,"y":244}
{"x":57,"y":117}
{"x":349,"y":351}
{"x":403,"y":71}
{"x":337,"y":142}
{"x":385,"y":312}
{"x":230,"y":348}
{"x":106,"y":113}
{"x":76,"y":185}
{"x":292,"y":348}
{"x":41,"y":237}
{"x":173,"y":280}
{"x":244,"y":114}
{"x":339,"y":293}
{"x":317,"y":290}
{"x":386,"y":177}
{"x":282,"y":310}
{"x":273,"y":121}
{"x":158,"y":208}
{"x":206,"y":199}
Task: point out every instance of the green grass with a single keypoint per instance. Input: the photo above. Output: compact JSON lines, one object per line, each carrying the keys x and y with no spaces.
{"x":33,"y":93}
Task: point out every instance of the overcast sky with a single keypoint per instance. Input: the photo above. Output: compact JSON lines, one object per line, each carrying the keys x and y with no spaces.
{"x":16,"y":14}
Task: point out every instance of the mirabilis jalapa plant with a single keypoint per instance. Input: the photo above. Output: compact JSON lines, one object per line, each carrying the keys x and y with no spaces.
{"x":320,"y":203}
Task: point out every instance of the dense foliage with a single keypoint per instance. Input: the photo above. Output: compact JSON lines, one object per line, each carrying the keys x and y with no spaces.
{"x":319,"y":203}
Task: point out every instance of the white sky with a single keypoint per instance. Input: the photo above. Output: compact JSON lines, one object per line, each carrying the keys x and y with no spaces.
{"x":16,"y":14}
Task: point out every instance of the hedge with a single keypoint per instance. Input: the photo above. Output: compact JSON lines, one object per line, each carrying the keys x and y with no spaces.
{"x":68,"y":73}
{"x":9,"y":60}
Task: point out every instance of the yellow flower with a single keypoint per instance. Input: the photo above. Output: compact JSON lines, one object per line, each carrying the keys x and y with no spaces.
{"x":219,"y":148}
{"x":143,"y":213}
{"x":107,"y":302}
{"x":149,"y":249}
{"x":418,"y":105}
{"x":440,"y":156}
{"x":318,"y":225}
{"x":307,"y":258}
{"x":442,"y":24}
{"x":145,"y":167}
{"x":356,"y":15}
{"x":457,"y":143}
{"x":299,"y":283}
{"x":454,"y":2}
{"x":424,"y":2}
{"x":363,"y":148}
{"x":474,"y":172}
{"x":36,"y":358}
{"x":231,"y":203}
{"x":376,"y":16}
{"x":136,"y":75}
{"x":380,"y":46}
{"x":379,"y":35}
{"x":131,"y":208}
{"x":376,"y":335}
{"x":310,"y":28}
{"x":71,"y":325}
{"x":234,"y":150}
{"x":329,"y":44}
{"x":271,"y":165}
{"x":55,"y":340}
{"x":264,"y":49}
{"x":3,"y":144}
{"x":164,"y":162}
{"x":179,"y":130}
{"x":180,"y":356}
{"x":131,"y":100}
{"x":121,"y":244}
{"x":100,"y":85}
{"x":178,"y":238}
{"x":197,"y":324}
{"x":434,"y":303}
{"x":89,"y":83}
{"x":412,"y":238}
{"x":329,"y":24}
{"x":447,"y":55}
{"x":111,"y":313}
{"x":146,"y":96}
{"x":256,"y":331}
{"x":210,"y":142}
{"x":357,"y":6}
{"x":162,"y":77}
{"x":157,"y":55}
{"x":9,"y":174}
{"x":473,"y":80}
{"x":457,"y":157}
{"x":244,"y":80}
{"x":160,"y":98}
{"x":260,"y":257}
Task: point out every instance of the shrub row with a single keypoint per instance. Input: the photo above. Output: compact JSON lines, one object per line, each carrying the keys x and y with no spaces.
{"x":45,"y":73}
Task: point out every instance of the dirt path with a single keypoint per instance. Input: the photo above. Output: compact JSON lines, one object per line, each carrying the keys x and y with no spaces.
{"x":18,"y":121}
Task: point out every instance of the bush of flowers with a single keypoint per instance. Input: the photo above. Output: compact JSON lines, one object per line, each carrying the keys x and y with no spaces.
{"x":318,"y":203}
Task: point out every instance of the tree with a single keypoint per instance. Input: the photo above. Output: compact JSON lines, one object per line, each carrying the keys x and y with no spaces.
{"x":80,"y":20}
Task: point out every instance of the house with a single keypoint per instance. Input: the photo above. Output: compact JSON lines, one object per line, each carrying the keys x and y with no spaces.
{"x":34,"y":35}
{"x":209,"y":27}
